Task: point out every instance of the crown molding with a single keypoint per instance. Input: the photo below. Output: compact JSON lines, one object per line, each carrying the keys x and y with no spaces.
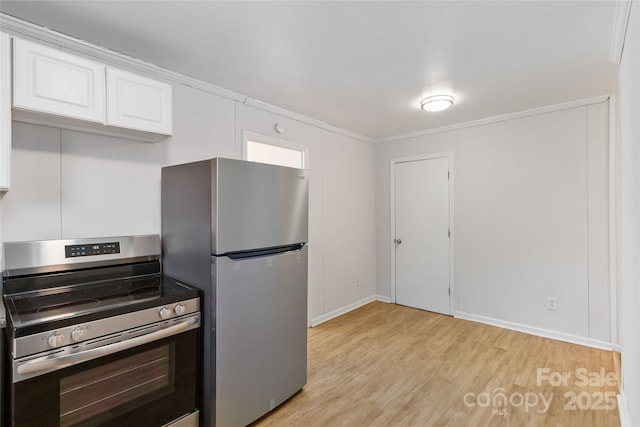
{"x":23,"y":29}
{"x":623,"y":12}
{"x":495,"y":119}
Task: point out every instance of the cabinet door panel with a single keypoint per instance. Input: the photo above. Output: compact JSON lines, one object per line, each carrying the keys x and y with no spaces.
{"x":5,"y":111}
{"x":137,"y":102}
{"x":56,"y":82}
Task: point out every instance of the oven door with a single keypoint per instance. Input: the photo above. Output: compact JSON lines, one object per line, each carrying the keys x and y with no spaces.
{"x":148,"y":385}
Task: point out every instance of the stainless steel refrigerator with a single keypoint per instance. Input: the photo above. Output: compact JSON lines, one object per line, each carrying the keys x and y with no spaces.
{"x":238,"y":231}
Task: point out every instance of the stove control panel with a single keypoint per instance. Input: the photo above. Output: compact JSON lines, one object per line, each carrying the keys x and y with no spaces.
{"x":89,"y":249}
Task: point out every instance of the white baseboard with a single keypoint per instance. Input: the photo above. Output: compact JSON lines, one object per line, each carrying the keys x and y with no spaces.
{"x":545,"y":333}
{"x":623,"y":409}
{"x":347,"y":308}
{"x":340,"y":311}
{"x":383,"y":298}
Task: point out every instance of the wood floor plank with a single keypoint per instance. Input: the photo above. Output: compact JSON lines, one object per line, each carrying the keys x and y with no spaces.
{"x":388,"y":365}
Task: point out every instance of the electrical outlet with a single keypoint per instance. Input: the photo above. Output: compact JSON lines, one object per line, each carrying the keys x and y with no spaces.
{"x":359,"y":281}
{"x":552,"y":303}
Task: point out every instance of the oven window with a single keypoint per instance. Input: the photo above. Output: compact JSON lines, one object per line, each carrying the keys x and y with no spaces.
{"x":108,"y":391}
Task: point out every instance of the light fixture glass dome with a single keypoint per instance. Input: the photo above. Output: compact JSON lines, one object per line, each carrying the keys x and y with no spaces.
{"x":436,"y":103}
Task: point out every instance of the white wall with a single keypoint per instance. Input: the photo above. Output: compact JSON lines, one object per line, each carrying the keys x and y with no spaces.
{"x":349,"y":222}
{"x":33,"y":204}
{"x":531,"y":220}
{"x":629,"y":280}
{"x":68,"y":184}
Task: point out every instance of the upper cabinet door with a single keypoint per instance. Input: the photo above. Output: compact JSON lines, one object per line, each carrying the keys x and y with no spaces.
{"x":137,"y":102}
{"x":55,"y":82}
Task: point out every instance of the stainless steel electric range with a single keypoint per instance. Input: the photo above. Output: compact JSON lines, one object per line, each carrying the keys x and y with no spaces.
{"x":97,"y":336}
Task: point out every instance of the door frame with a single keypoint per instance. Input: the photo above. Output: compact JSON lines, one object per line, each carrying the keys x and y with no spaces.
{"x":392,"y":193}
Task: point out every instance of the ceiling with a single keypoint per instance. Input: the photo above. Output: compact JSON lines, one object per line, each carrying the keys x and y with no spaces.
{"x":362,"y":65}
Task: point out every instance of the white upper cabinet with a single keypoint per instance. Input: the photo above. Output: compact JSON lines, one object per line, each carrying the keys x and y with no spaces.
{"x":137,"y":102}
{"x":55,"y":82}
{"x":59,"y":89}
{"x":5,"y":110}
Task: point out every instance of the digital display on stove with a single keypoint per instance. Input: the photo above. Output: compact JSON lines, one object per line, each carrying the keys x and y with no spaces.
{"x":72,"y":251}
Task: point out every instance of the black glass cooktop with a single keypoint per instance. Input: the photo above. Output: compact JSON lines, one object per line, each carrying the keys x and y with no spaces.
{"x":85,"y":302}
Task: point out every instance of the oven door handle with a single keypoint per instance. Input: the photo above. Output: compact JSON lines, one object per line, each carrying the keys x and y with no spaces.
{"x":55,"y":363}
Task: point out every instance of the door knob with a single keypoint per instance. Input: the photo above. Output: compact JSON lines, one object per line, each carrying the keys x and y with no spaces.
{"x":398,"y":241}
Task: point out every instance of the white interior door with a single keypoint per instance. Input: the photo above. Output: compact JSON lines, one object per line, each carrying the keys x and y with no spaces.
{"x":422,"y":234}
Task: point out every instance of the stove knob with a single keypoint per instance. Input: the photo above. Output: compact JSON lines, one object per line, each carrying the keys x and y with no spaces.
{"x":55,"y":340}
{"x":165,"y":313}
{"x":179,"y":309}
{"x":78,"y":334}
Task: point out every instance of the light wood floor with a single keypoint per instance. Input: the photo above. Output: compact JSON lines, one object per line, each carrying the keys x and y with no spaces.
{"x":389,"y":365}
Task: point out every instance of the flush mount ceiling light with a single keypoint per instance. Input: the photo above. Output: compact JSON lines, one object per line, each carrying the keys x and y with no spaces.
{"x":436,"y":103}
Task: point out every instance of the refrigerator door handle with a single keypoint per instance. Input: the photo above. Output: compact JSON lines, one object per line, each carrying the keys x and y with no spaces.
{"x":254,"y":253}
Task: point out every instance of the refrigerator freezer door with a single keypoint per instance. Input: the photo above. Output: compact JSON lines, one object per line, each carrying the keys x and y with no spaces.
{"x":261,"y":326}
{"x":257,"y":206}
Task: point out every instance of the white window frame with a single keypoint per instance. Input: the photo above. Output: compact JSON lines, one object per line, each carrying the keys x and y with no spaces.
{"x":264,"y":139}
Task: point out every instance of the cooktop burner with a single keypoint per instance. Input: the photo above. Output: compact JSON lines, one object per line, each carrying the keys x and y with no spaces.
{"x":89,"y":303}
